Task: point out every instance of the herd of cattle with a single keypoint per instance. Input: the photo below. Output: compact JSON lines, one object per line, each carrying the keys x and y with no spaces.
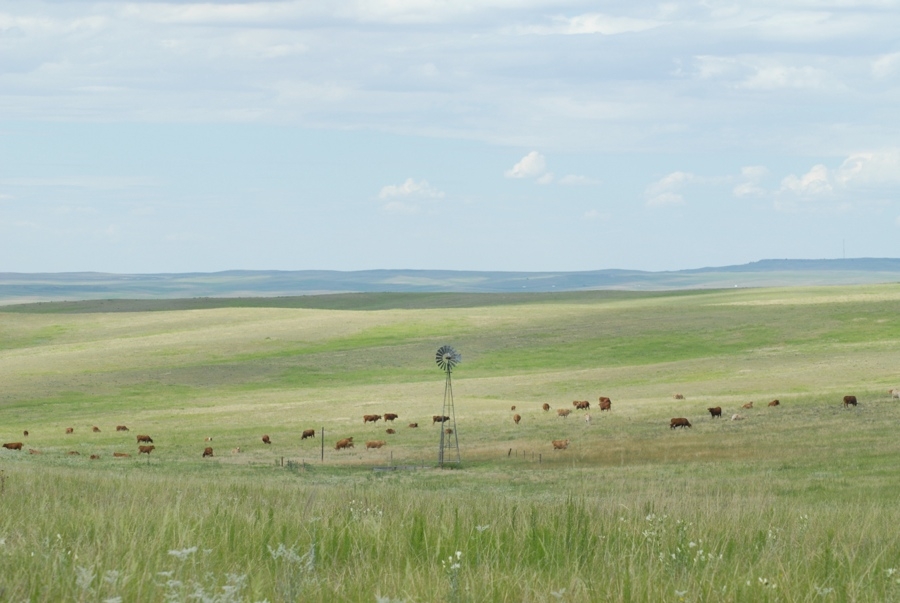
{"x":146,"y":446}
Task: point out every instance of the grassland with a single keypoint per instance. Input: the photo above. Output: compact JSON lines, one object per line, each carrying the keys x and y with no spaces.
{"x":796,"y":503}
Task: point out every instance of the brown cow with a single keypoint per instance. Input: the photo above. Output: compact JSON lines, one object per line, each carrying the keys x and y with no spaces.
{"x":563,"y":412}
{"x":546,"y":407}
{"x":375,"y":444}
{"x":513,"y":408}
{"x":70,"y":430}
{"x":94,"y":457}
{"x":144,"y":438}
{"x":605,"y":404}
{"x":413,"y":425}
{"x":581,"y":404}
{"x":748,"y":405}
{"x":390,"y":431}
{"x":774,"y":403}
{"x":345,"y":443}
{"x":308,"y":433}
{"x":25,"y":433}
{"x":678,"y":396}
{"x":121,"y":428}
{"x":517,"y":417}
{"x":13,"y":445}
{"x":121,"y":455}
{"x":389,"y":416}
{"x":266,"y":439}
{"x":560,"y":444}
{"x":95,"y":429}
{"x":679,"y":422}
{"x":371,"y":418}
{"x":207,"y":452}
{"x":439,"y":419}
{"x":448,"y":431}
{"x":146,"y":449}
{"x":849,"y":401}
{"x":715,"y":412}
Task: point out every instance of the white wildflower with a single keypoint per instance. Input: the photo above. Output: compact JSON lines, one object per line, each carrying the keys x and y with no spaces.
{"x":183,"y":554}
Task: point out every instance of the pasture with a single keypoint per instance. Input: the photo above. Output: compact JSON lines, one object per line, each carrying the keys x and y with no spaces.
{"x":793,"y":503}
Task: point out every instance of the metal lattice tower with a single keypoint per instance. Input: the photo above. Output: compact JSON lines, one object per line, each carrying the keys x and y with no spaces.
{"x":447,"y":358}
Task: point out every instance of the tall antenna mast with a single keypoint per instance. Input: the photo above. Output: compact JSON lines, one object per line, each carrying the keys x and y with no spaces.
{"x":446,"y":358}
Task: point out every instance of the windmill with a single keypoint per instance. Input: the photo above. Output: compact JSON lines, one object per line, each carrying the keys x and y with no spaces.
{"x":447,"y":358}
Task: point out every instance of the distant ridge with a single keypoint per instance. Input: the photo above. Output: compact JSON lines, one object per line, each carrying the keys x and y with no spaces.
{"x":24,"y":287}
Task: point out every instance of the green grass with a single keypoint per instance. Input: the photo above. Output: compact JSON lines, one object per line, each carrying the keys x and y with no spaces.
{"x":796,"y":503}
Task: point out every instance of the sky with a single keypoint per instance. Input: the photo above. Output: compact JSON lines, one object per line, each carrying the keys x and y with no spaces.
{"x":147,"y":137}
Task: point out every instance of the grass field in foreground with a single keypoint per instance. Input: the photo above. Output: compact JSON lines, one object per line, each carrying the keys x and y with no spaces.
{"x":796,"y":503}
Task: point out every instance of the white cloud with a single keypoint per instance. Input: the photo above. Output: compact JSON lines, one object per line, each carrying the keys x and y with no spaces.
{"x":752,"y":176}
{"x":667,"y":191}
{"x":870,"y":169}
{"x":410,"y":189}
{"x":886,"y":65}
{"x":775,"y":77}
{"x":593,"y":23}
{"x":814,"y":183}
{"x":547,"y":178}
{"x":531,"y":165}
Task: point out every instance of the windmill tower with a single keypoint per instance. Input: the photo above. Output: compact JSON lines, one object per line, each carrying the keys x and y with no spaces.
{"x":447,"y":358}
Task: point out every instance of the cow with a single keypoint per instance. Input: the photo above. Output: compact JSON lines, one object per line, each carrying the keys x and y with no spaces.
{"x":121,"y":455}
{"x":390,"y":431}
{"x":513,"y":408}
{"x":121,"y":428}
{"x":389,"y":416}
{"x":70,"y":430}
{"x":679,"y":422}
{"x":25,"y":433}
{"x":13,"y":445}
{"x":95,"y":429}
{"x":563,"y":412}
{"x":546,"y":407}
{"x":266,"y":439}
{"x":413,"y":425}
{"x":207,"y":439}
{"x":587,"y":419}
{"x":207,"y":451}
{"x":895,"y":393}
{"x":448,"y":431}
{"x":516,"y":418}
{"x":146,"y":449}
{"x":94,"y":457}
{"x":849,"y":401}
{"x":748,"y":405}
{"x":308,"y":433}
{"x":560,"y":444}
{"x":581,"y":404}
{"x":715,"y":412}
{"x":343,"y":444}
{"x":678,"y":396}
{"x":375,"y":444}
{"x":737,"y":417}
{"x":439,"y":419}
{"x":371,"y":418}
{"x":605,"y":404}
{"x":236,"y":450}
{"x":144,"y":438}
{"x":774,"y":403}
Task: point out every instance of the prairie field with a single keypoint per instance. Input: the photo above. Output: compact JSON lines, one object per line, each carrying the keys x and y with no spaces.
{"x":790,"y":503}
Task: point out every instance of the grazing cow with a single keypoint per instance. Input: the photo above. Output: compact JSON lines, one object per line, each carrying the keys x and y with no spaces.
{"x":546,"y":407}
{"x":266,"y":439}
{"x":715,"y":412}
{"x":895,"y":393}
{"x":679,"y":396}
{"x":560,"y":444}
{"x":587,"y":419}
{"x":146,"y":449}
{"x":563,"y":412}
{"x":439,"y":419}
{"x":448,"y":431}
{"x":581,"y":404}
{"x":144,"y":438}
{"x":95,"y":429}
{"x":605,"y":404}
{"x":390,"y":431}
{"x":207,"y":439}
{"x":207,"y":451}
{"x":25,"y":433}
{"x":236,"y":450}
{"x":513,"y":408}
{"x":74,"y":453}
{"x":748,"y":405}
{"x":389,"y":416}
{"x":413,"y":425}
{"x":70,"y":430}
{"x":121,"y":428}
{"x":121,"y":455}
{"x":774,"y":403}
{"x":33,"y":451}
{"x":308,"y":433}
{"x":375,"y":444}
{"x":371,"y":418}
{"x":849,"y":401}
{"x":517,"y":417}
{"x":679,"y":422}
{"x":737,"y":417}
{"x":345,"y":443}
{"x":94,"y":457}
{"x":13,"y":445}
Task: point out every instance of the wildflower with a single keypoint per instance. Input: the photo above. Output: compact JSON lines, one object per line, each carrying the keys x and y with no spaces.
{"x":183,"y":554}
{"x":692,"y":544}
{"x":479,"y":528}
{"x":891,"y":571}
{"x":558,"y":593}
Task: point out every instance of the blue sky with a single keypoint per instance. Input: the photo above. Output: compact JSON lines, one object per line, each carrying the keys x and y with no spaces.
{"x":488,"y":135}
